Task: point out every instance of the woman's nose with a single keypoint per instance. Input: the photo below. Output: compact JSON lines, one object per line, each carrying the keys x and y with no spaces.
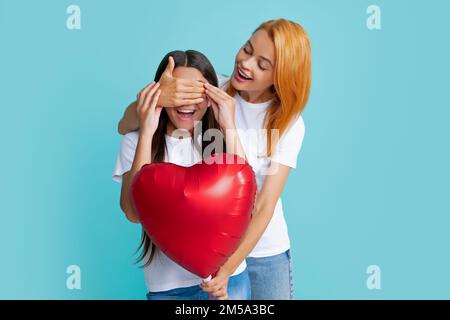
{"x":246,"y":64}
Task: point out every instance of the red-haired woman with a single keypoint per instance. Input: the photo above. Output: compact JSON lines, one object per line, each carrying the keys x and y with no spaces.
{"x":266,"y":94}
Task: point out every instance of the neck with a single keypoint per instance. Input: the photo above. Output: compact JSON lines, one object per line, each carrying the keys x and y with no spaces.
{"x":180,"y":133}
{"x":256,"y":96}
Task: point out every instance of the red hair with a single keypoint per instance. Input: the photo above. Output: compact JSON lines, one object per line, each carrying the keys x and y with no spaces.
{"x":292,"y":75}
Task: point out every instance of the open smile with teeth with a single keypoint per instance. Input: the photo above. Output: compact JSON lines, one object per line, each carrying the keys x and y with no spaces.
{"x":243,"y":75}
{"x":185,"y":114}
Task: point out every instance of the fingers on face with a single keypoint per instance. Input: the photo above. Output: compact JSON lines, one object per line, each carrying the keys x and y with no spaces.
{"x":195,"y":101}
{"x":210,"y":87}
{"x":187,"y":89}
{"x":155,"y":99}
{"x":214,"y":96}
{"x":170,"y":66}
{"x":193,"y":83}
{"x":185,"y":99}
{"x":217,"y":94}
{"x":141,"y":93}
{"x":189,"y":95}
{"x":149,"y":94}
{"x":171,"y":63}
{"x":185,"y":102}
{"x":188,"y":85}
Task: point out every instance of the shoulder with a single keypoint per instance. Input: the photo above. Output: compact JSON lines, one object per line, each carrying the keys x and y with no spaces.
{"x":130,"y":139}
{"x":132,"y":136}
{"x":290,"y":143}
{"x":296,"y":127}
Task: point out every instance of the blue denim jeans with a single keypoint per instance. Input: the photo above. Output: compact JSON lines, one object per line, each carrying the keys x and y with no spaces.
{"x":238,"y":289}
{"x":271,"y":277}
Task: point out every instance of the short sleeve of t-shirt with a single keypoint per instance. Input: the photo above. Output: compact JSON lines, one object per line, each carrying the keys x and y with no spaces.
{"x":288,"y":148}
{"x":125,"y":157}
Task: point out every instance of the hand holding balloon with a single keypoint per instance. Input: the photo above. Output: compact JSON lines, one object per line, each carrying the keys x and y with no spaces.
{"x":218,"y":286}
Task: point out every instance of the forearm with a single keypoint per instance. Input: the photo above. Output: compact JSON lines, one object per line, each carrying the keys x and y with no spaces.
{"x":258,"y":224}
{"x":141,"y":157}
{"x":143,"y":153}
{"x":265,"y":204}
{"x":130,"y":120}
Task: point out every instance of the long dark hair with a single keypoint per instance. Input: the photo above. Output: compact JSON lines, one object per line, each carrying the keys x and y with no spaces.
{"x":192,"y":59}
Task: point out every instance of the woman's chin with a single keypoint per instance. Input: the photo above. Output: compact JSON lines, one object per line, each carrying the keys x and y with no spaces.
{"x":239,"y":86}
{"x":185,"y":127}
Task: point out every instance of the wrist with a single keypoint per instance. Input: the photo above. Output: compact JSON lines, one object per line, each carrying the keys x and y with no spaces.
{"x":162,"y":100}
{"x":146,"y":132}
{"x":229,"y":267}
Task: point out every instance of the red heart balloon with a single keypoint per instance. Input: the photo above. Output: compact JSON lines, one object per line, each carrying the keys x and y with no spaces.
{"x":196,"y":215}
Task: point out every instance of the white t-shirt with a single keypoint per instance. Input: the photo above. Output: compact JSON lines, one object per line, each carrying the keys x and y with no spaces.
{"x":249,"y":121}
{"x":163,"y":273}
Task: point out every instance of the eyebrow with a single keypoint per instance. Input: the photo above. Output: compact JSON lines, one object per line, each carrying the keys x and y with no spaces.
{"x":262,"y":57}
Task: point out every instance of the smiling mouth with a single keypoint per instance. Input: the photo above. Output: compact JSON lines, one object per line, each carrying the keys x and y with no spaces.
{"x":242,"y":75}
{"x":185,"y":114}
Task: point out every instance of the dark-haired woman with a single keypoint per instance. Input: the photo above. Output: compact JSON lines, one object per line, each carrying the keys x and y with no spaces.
{"x":168,"y":135}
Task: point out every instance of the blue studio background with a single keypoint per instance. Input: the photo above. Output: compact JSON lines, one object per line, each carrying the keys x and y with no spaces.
{"x":372,"y":183}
